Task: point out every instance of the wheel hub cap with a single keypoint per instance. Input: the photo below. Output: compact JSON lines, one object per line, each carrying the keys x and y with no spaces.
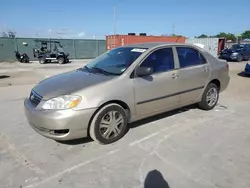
{"x":212,"y":96}
{"x":111,"y":124}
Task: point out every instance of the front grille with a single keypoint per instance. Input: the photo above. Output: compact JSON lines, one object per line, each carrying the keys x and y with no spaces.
{"x":35,"y":98}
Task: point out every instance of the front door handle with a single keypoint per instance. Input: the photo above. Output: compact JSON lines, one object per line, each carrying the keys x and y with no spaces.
{"x":174,"y":76}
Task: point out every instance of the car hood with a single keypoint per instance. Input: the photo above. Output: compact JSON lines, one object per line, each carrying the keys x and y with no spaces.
{"x":69,"y":82}
{"x":230,"y":51}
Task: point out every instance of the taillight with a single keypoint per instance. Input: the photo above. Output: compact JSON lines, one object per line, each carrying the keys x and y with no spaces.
{"x":227,"y":65}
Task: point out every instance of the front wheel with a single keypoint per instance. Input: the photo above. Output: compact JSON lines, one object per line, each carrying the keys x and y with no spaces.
{"x":60,"y":60}
{"x":27,"y":60}
{"x":239,"y":58}
{"x":210,"y":97}
{"x":109,"y":124}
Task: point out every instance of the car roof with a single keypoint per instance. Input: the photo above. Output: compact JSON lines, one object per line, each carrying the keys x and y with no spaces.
{"x":155,"y":44}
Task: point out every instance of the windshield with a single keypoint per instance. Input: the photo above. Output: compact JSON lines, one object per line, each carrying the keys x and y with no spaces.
{"x":116,"y":61}
{"x":237,"y":46}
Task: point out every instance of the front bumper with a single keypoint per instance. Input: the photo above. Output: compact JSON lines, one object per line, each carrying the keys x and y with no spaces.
{"x":59,"y":125}
{"x":228,"y":57}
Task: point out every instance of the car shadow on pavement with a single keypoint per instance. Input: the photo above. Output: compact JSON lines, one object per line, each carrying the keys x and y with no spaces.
{"x":134,"y":124}
{"x":155,"y":179}
{"x":162,"y":116}
{"x":242,"y":74}
{"x":4,"y":76}
{"x":77,"y":141}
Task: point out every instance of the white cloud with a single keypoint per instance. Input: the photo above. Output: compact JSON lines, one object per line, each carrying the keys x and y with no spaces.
{"x":81,"y":34}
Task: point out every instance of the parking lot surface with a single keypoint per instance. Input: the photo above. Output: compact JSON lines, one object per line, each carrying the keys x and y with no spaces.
{"x":185,"y":148}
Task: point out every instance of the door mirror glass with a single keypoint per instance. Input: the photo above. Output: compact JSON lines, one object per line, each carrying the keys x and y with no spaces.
{"x":144,"y":71}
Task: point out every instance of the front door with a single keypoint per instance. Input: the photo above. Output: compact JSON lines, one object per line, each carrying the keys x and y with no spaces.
{"x":246,"y":52}
{"x":159,"y":91}
{"x":193,"y":74}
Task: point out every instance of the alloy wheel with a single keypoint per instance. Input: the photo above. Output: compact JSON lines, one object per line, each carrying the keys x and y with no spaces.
{"x":212,"y":96}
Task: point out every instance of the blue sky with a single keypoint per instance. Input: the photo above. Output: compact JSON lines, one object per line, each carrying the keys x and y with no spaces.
{"x":95,"y":18}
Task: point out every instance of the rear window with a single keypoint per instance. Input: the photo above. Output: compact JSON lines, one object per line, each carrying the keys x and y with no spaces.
{"x":189,"y":57}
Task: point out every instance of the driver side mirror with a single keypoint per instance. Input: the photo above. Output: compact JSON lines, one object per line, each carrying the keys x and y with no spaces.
{"x":143,"y":71}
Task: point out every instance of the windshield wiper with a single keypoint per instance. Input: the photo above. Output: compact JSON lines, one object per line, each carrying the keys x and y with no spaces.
{"x":101,"y":71}
{"x":87,"y":68}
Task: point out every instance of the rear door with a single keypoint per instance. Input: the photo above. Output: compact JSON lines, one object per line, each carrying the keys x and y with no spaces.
{"x":159,"y":91}
{"x":193,"y":73}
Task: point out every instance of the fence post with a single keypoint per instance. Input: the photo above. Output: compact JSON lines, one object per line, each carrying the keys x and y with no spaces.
{"x":15,"y":43}
{"x":97,"y":45}
{"x":74,"y":49}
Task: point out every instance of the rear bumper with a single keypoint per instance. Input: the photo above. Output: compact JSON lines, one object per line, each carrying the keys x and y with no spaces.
{"x":225,"y":84}
{"x":59,"y":124}
{"x":228,"y":57}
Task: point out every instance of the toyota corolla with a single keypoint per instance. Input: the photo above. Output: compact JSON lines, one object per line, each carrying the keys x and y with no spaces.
{"x":124,"y":85}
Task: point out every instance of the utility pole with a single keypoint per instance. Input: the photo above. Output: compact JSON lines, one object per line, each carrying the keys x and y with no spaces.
{"x":114,"y":19}
{"x":173,"y":29}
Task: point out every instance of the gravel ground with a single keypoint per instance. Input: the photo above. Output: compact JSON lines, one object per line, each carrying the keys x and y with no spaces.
{"x":186,"y":148}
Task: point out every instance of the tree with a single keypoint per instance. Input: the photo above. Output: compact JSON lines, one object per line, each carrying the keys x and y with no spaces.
{"x":4,"y":34}
{"x":10,"y":34}
{"x":222,"y":34}
{"x":245,"y":34}
{"x":231,"y":36}
{"x":202,"y":36}
{"x":228,"y":36}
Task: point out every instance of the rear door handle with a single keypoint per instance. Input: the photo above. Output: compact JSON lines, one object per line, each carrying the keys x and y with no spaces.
{"x":174,"y":76}
{"x":205,"y":69}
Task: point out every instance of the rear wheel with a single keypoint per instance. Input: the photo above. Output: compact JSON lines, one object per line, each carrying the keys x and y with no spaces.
{"x":41,"y":60}
{"x":210,"y":97}
{"x":60,"y":60}
{"x":109,"y":124}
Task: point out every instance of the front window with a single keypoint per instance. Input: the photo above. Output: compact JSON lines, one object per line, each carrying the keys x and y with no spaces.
{"x":116,"y":61}
{"x":161,"y":60}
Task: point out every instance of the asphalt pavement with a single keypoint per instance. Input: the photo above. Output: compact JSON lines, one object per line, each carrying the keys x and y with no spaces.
{"x":185,"y":148}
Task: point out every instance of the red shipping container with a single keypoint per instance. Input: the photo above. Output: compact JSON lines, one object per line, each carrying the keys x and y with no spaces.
{"x":113,"y":41}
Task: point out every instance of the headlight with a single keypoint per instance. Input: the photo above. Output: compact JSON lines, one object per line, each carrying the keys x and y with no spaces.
{"x":62,"y":103}
{"x":235,"y":54}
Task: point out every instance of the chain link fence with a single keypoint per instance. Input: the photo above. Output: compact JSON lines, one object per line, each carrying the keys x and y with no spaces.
{"x":77,"y":48}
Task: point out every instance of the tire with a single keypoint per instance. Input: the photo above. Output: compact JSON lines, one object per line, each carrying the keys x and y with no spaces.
{"x":98,"y":134}
{"x":206,"y":104}
{"x":60,"y":60}
{"x":239,"y":58}
{"x":27,"y":60}
{"x":41,"y":60}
